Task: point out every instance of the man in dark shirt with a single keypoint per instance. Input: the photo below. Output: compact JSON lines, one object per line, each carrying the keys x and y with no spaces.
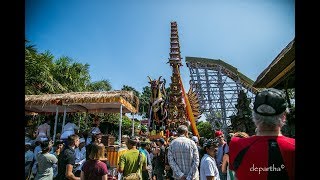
{"x":160,"y":159}
{"x":66,"y":160}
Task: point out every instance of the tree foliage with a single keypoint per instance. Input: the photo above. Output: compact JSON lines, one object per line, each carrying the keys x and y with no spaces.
{"x":242,"y":121}
{"x":38,"y":72}
{"x":73,"y":76}
{"x":205,"y":129}
{"x":103,"y":85}
{"x":145,"y":102}
{"x":129,"y":88}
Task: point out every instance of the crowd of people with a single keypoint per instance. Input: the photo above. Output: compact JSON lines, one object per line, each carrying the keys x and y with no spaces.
{"x":266,"y":155}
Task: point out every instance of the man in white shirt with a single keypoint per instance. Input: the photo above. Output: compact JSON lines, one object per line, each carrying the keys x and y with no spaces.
{"x":208,"y":166}
{"x":94,"y":130}
{"x":43,"y":130}
{"x":68,"y":129}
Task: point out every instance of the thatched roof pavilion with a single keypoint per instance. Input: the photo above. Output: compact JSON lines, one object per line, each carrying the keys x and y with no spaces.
{"x":99,"y":102}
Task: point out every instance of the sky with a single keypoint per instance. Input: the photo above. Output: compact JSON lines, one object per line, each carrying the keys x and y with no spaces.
{"x":124,"y":41}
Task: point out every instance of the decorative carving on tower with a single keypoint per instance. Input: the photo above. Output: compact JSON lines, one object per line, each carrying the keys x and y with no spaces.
{"x":177,"y":112}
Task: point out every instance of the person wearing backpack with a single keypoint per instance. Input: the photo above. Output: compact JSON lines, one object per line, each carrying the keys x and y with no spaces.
{"x":268,"y":154}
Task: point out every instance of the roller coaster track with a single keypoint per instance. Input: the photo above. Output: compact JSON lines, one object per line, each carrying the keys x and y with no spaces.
{"x":226,"y":68}
{"x":218,"y":84}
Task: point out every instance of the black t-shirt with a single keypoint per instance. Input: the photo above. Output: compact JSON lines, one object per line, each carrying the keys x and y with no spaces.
{"x":67,"y":156}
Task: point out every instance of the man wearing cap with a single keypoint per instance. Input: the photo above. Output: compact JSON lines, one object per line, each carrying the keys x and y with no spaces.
{"x":223,"y":148}
{"x":208,"y":166}
{"x":268,"y":154}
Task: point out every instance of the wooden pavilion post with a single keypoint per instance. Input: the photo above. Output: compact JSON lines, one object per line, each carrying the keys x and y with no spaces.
{"x":55,"y":124}
{"x":120,"y":123}
{"x":64,"y":118}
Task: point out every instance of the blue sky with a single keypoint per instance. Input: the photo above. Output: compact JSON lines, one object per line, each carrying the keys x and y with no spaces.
{"x":124,"y":41}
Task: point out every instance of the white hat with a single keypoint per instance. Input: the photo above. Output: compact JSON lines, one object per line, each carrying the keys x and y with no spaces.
{"x":27,"y":143}
{"x":82,"y":140}
{"x":43,"y":139}
{"x":195,"y":139}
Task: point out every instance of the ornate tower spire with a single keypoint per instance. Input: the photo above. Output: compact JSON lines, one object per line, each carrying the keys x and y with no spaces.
{"x":177,"y":110}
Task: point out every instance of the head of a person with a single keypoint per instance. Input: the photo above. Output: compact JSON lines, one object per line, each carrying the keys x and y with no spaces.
{"x":27,"y":146}
{"x":229,"y":136}
{"x":182,"y":130}
{"x":73,"y":140}
{"x":59,"y":144}
{"x":97,"y":138}
{"x":241,"y":134}
{"x":96,"y":121}
{"x":219,"y":136}
{"x":143,"y":144}
{"x":171,"y":138}
{"x":123,"y":144}
{"x":160,"y":142}
{"x":195,"y":139}
{"x":82,"y":142}
{"x":132,"y":142}
{"x":97,"y":151}
{"x":210,"y":146}
{"x":269,"y":109}
{"x":46,"y":146}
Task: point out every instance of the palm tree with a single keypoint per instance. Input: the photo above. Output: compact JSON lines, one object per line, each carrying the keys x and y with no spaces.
{"x":38,"y":76}
{"x":73,"y":76}
{"x":103,"y":85}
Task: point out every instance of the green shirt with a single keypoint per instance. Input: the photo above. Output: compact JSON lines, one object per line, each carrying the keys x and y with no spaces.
{"x":129,"y":162}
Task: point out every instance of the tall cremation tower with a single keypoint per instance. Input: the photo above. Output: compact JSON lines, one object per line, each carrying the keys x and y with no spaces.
{"x":177,"y":112}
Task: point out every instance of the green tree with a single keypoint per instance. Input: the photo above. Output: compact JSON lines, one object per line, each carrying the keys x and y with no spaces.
{"x":129,"y":88}
{"x":72,"y":75}
{"x":103,"y":85}
{"x":126,"y":127}
{"x":242,"y":121}
{"x":144,"y":102}
{"x":204,"y":129}
{"x":289,"y":128}
{"x":38,"y":76}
